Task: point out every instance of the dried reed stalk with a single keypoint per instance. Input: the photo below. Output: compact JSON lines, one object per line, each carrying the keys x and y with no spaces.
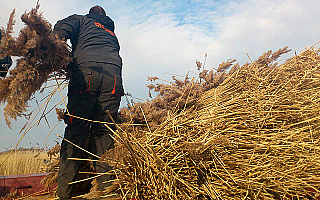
{"x":40,"y":54}
{"x":173,"y":97}
{"x":254,"y":136}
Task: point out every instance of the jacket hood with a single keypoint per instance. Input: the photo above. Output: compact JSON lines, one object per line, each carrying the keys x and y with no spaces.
{"x":105,"y":20}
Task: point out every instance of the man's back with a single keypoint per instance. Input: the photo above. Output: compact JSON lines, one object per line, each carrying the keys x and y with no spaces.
{"x":92,"y":38}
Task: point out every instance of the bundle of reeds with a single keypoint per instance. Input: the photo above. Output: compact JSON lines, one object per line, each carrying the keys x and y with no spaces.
{"x":40,"y":54}
{"x":174,"y":96}
{"x":255,"y":136}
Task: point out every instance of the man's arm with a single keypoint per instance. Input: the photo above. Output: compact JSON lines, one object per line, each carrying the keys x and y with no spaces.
{"x":67,"y":28}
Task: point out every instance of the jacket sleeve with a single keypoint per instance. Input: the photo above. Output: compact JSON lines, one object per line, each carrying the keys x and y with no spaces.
{"x":67,"y":28}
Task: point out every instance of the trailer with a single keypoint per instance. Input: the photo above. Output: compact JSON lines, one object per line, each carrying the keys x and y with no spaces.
{"x":23,"y":186}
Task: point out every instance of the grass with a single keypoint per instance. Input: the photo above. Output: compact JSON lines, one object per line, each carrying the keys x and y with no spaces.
{"x":25,"y":161}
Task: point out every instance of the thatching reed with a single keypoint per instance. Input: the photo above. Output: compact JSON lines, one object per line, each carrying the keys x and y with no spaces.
{"x":33,"y":160}
{"x":255,"y":136}
{"x":53,"y":166}
{"x":40,"y":54}
{"x":174,"y":97}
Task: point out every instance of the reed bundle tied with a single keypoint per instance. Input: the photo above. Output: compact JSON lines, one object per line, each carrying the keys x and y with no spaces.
{"x":255,"y":136}
{"x":40,"y":54}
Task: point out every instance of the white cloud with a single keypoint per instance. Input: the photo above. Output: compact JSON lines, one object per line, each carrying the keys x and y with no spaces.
{"x":257,"y":26}
{"x":161,"y":44}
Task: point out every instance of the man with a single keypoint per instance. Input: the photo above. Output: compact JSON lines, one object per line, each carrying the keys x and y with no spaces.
{"x":5,"y":63}
{"x":95,"y":89}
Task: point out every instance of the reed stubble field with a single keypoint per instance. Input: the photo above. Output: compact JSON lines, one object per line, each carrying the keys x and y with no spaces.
{"x":23,"y":161}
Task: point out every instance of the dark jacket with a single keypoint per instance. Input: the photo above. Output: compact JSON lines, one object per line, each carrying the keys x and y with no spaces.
{"x":92,"y":38}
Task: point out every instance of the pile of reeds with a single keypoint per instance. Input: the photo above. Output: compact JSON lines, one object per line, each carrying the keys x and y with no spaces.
{"x":255,"y":136}
{"x":174,"y":96}
{"x":40,"y":53}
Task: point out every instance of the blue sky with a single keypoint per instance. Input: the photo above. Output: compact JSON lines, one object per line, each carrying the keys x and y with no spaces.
{"x":161,"y":37}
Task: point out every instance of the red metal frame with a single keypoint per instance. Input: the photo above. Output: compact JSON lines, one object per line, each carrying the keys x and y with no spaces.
{"x":22,"y":184}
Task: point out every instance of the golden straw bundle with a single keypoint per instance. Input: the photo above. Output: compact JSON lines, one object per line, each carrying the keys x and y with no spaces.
{"x":40,"y":53}
{"x":255,"y":136}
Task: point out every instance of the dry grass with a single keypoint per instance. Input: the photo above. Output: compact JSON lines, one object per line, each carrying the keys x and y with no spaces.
{"x":174,"y":97}
{"x":28,"y":161}
{"x":41,"y":54}
{"x":254,"y":136}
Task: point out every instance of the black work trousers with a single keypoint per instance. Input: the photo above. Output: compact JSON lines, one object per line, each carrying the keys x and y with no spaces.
{"x":94,"y":90}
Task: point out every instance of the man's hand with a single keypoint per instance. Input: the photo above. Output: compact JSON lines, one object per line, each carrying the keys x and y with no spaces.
{"x":5,"y":64}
